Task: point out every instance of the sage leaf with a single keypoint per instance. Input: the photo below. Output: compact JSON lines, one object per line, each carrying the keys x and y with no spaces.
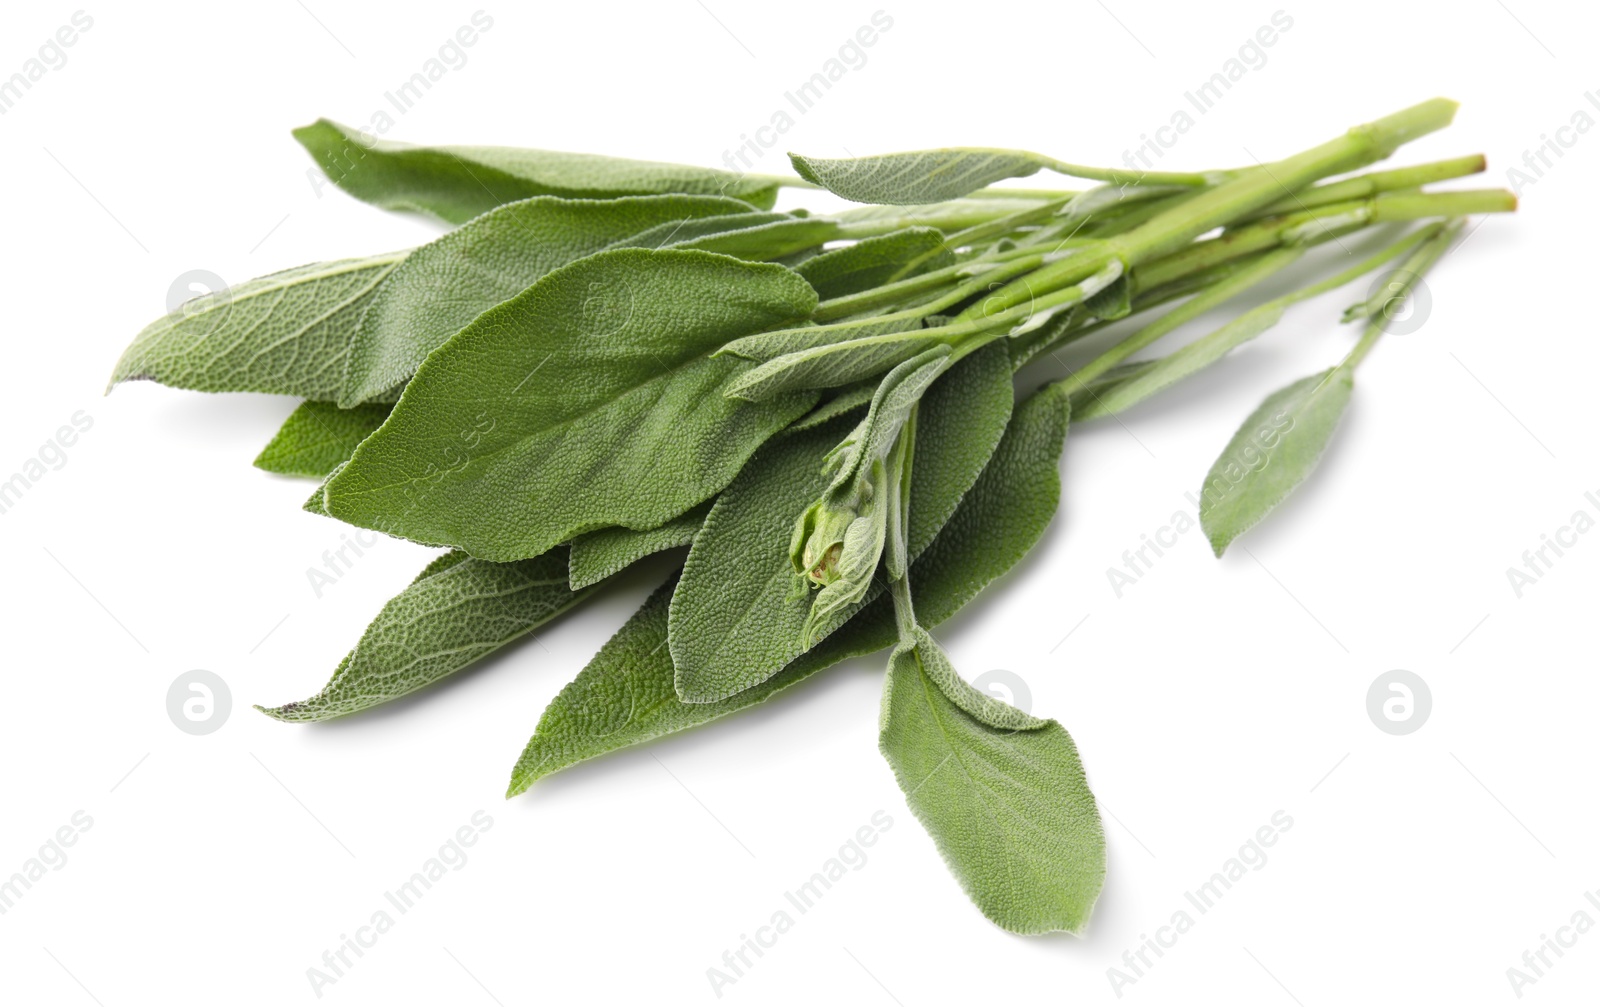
{"x":735,"y":619}
{"x":764,"y":346}
{"x":287,"y":333}
{"x":318,"y":437}
{"x":599,"y":554}
{"x":846,"y":400}
{"x":588,"y":400}
{"x":458,"y":183}
{"x":1271,"y":453}
{"x":442,"y":286}
{"x":458,"y":610}
{"x":759,"y":237}
{"x":1003,"y":794}
{"x":919,"y":176}
{"x":874,"y":261}
{"x":627,"y":694}
{"x":832,"y":364}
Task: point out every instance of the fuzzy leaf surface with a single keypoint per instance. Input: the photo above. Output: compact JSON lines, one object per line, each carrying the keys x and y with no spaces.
{"x":599,"y":554}
{"x":1003,"y":795}
{"x":318,"y":437}
{"x":735,"y":621}
{"x":287,"y":333}
{"x":918,"y":176}
{"x":457,"y":183}
{"x":627,"y":696}
{"x":588,"y":400}
{"x":1271,"y":453}
{"x":443,"y":285}
{"x":457,"y":610}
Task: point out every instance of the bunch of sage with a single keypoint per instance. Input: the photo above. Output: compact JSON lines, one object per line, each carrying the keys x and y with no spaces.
{"x":609,"y":359}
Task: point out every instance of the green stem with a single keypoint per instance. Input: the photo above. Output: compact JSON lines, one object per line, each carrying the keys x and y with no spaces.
{"x":1372,"y":183}
{"x":1245,"y":192}
{"x":1401,"y":281}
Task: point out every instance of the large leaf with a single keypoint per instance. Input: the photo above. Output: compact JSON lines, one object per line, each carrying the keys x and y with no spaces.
{"x":875,"y":261}
{"x":458,"y":183}
{"x":1003,"y":794}
{"x":318,"y":437}
{"x":456,"y":611}
{"x":287,"y":333}
{"x":626,"y":695}
{"x":1271,"y":453}
{"x":735,"y":618}
{"x":448,"y":282}
{"x":918,"y":176}
{"x":588,"y":400}
{"x":599,"y":554}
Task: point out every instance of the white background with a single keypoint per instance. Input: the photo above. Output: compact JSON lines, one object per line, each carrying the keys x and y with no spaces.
{"x":1213,"y":693}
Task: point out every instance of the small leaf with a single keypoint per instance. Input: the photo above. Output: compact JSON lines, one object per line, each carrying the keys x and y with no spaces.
{"x":448,"y":282}
{"x":759,"y":237}
{"x":599,"y":554}
{"x":1008,"y":807}
{"x":1112,"y":302}
{"x":735,"y":621}
{"x":764,"y":346}
{"x":456,"y":611}
{"x":1272,"y":453}
{"x":458,"y":183}
{"x":318,"y":437}
{"x":286,"y":333}
{"x":846,"y":400}
{"x":874,"y":261}
{"x":589,"y":400}
{"x":626,"y":695}
{"x":832,"y":364}
{"x":918,"y":176}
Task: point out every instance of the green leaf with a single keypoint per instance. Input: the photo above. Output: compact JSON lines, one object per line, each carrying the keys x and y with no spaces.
{"x":846,"y":400}
{"x":1271,"y":453}
{"x":287,"y":333}
{"x":627,"y":696}
{"x":457,"y":610}
{"x":832,"y":364}
{"x":458,"y":183}
{"x":599,"y":554}
{"x":447,"y":283}
{"x":588,"y":400}
{"x":317,"y":437}
{"x":764,"y":346}
{"x":759,"y":237}
{"x":918,"y":176}
{"x":735,"y":621}
{"x":1003,"y":794}
{"x":875,"y":261}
